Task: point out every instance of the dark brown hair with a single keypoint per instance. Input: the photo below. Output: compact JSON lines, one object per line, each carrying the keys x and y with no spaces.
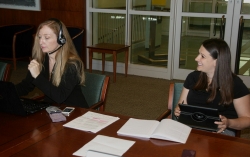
{"x":222,"y":80}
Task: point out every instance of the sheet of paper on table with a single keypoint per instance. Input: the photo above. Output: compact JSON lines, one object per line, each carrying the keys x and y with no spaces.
{"x":104,"y":146}
{"x":91,"y":121}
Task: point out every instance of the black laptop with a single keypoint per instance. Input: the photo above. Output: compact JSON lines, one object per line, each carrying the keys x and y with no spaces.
{"x":11,"y":103}
{"x":199,"y":117}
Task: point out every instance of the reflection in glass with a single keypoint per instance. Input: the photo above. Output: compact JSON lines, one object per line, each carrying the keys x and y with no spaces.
{"x":205,"y":6}
{"x":245,"y":7}
{"x":109,"y":28}
{"x":110,"y":4}
{"x":151,"y":5}
{"x":194,"y":31}
{"x":243,"y":62}
{"x":149,"y":40}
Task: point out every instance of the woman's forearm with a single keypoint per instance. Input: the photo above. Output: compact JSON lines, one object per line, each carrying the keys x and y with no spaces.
{"x":239,"y":123}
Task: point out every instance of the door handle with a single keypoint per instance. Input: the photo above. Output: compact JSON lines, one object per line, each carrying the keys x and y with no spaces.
{"x":241,"y":20}
{"x":222,"y":27}
{"x":239,"y":43}
{"x":215,"y":20}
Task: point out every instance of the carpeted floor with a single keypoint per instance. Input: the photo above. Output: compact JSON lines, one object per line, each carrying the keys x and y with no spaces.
{"x":135,"y":96}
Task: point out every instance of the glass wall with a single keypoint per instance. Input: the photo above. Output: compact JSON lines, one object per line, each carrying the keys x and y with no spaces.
{"x":108,"y":28}
{"x":112,"y":4}
{"x":150,"y":36}
{"x":245,"y":7}
{"x":151,"y":5}
{"x":205,"y":6}
{"x":150,"y":33}
{"x":165,"y":35}
{"x":243,"y":49}
{"x":194,"y":31}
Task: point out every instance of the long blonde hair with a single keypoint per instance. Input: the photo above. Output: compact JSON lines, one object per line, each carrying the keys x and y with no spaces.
{"x":67,"y":54}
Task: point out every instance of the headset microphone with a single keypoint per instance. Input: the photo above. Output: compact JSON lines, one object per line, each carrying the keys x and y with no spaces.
{"x":55,"y":50}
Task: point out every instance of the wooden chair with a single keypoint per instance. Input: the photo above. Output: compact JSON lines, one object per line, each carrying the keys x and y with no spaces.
{"x":16,"y":42}
{"x":4,"y":71}
{"x":173,"y":98}
{"x":94,"y":90}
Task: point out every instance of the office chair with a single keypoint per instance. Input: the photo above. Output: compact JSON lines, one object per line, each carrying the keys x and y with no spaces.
{"x":95,"y":90}
{"x":16,"y":42}
{"x":77,"y":37}
{"x":173,"y":98}
{"x":4,"y":71}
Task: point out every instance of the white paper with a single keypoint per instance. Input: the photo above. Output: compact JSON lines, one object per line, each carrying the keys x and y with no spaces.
{"x":172,"y":130}
{"x":105,"y":144}
{"x":91,"y":121}
{"x":138,"y":128}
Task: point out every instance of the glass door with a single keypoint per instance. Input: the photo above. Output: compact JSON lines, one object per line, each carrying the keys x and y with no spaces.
{"x":165,"y":35}
{"x":240,"y":43}
{"x":150,"y":35}
{"x":106,"y":23}
{"x":196,"y":21}
{"x":145,"y":25}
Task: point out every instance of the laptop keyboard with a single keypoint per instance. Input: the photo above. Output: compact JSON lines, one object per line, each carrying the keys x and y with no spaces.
{"x":32,"y":106}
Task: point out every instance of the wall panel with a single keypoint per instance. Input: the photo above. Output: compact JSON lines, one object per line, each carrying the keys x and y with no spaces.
{"x":71,"y":12}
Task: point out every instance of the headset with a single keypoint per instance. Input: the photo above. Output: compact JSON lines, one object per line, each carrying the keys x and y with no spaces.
{"x":61,"y":40}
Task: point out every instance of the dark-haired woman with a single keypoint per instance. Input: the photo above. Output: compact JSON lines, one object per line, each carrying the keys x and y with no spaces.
{"x":214,"y":85}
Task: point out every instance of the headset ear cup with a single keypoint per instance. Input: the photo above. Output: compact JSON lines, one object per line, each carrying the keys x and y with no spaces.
{"x":61,"y":39}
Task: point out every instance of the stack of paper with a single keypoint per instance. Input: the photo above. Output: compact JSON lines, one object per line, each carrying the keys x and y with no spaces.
{"x":91,"y":121}
{"x":105,"y":146}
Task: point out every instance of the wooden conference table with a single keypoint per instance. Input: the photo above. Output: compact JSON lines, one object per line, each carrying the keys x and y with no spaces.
{"x":36,"y":135}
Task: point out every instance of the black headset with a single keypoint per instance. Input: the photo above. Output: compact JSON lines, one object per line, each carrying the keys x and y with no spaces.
{"x":61,"y":40}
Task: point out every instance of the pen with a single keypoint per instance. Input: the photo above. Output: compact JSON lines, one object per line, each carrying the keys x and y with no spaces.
{"x":177,"y":116}
{"x":102,"y":153}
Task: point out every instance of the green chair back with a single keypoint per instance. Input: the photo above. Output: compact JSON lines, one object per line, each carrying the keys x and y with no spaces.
{"x":93,"y":87}
{"x":176,"y":95}
{"x":2,"y":70}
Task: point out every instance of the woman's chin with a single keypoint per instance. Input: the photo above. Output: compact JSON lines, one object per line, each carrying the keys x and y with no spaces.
{"x":198,"y":68}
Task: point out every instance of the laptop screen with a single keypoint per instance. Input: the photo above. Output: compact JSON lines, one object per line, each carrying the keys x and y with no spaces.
{"x":11,"y":103}
{"x":9,"y":99}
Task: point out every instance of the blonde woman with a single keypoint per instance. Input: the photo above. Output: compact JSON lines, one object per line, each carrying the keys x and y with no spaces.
{"x":55,"y":68}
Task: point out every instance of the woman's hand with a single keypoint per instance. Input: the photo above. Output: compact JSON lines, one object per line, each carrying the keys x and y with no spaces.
{"x":222,"y":125}
{"x":33,"y":67}
{"x":177,"y":111}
